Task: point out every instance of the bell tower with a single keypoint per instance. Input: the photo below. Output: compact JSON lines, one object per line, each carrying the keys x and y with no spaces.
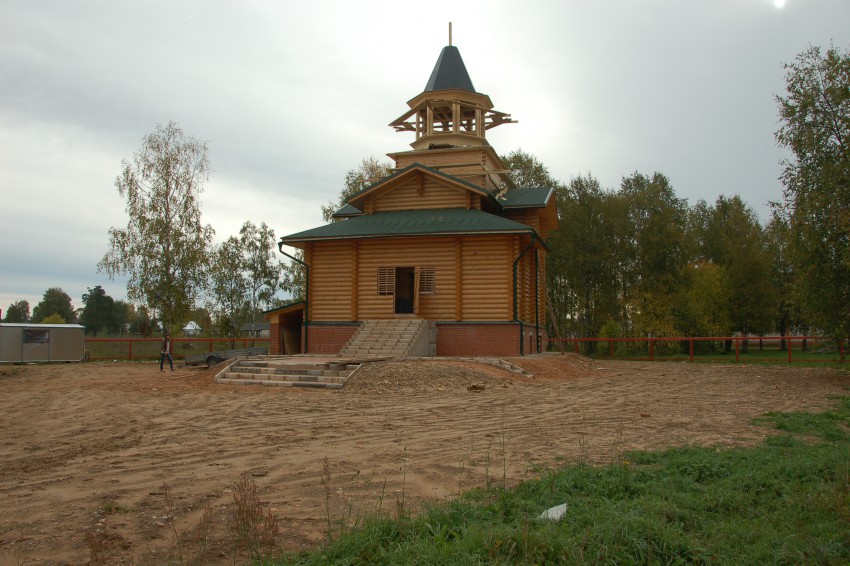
{"x":450,"y":121}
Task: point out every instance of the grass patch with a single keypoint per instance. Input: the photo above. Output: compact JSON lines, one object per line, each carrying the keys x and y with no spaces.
{"x":784,"y":502}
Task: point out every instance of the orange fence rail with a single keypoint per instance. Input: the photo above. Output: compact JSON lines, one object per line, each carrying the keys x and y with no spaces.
{"x":149,"y":348}
{"x":754,"y":343}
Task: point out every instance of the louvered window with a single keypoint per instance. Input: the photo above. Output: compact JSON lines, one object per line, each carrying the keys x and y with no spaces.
{"x":386,"y":280}
{"x":427,"y":281}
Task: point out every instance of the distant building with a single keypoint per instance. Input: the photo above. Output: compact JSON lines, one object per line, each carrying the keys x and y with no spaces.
{"x":255,"y":330}
{"x":191,"y":329}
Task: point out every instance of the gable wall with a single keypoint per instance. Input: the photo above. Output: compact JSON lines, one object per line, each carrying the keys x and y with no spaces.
{"x":420,"y":193}
{"x":527,"y":216}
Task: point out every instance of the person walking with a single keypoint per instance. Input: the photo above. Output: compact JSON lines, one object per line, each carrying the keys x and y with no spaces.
{"x":165,"y":352}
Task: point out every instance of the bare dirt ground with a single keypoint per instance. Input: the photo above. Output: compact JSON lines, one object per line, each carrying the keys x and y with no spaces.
{"x":89,"y":453}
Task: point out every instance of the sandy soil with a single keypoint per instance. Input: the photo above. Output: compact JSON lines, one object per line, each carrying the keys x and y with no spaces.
{"x":104,"y":462}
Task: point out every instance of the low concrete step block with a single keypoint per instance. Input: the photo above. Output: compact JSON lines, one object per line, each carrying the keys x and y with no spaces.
{"x":245,"y":375}
{"x":318,"y":385}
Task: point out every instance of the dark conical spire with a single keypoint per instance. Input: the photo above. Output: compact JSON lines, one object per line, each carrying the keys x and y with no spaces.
{"x":449,"y":72}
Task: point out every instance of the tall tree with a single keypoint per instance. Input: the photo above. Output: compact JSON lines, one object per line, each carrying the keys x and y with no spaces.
{"x":294,"y":277}
{"x":702,"y":306}
{"x":777,"y":240}
{"x":527,"y":171}
{"x":164,"y":247}
{"x":143,"y":323}
{"x":260,"y":263}
{"x":99,"y":311}
{"x":582,"y":261}
{"x":19,"y":311}
{"x":54,"y":302}
{"x":655,"y":252}
{"x":124,"y":314}
{"x":735,"y":241}
{"x":369,"y":171}
{"x":815,"y":126}
{"x":230,"y":288}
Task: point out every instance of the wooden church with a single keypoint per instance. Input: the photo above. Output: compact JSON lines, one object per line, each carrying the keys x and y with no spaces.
{"x":446,"y":241}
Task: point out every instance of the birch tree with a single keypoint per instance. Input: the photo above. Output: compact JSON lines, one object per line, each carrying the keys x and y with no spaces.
{"x":164,"y":248}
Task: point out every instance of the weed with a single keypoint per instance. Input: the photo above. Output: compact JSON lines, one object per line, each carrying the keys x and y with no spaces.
{"x":504,"y":448}
{"x":171,"y":518}
{"x":252,"y":529}
{"x":326,"y":484}
{"x":203,"y":534}
{"x":97,"y":547}
{"x":111,"y":507}
{"x":400,"y":502}
{"x":9,"y":371}
{"x":583,"y":446}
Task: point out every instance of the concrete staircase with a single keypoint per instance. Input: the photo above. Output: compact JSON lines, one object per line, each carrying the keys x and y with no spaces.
{"x":393,"y":338}
{"x":288,"y":372}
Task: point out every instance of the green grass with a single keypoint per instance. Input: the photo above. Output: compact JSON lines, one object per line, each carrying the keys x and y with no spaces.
{"x":786,"y":501}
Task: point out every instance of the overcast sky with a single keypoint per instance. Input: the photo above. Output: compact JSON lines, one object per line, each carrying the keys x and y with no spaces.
{"x":291,"y":95}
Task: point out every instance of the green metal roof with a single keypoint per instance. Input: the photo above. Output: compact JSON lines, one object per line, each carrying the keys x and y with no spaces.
{"x":431,"y":222}
{"x":285,"y":306}
{"x":526,"y":198}
{"x":347,"y":210}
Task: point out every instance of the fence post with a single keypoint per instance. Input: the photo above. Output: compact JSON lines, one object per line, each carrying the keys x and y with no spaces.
{"x":651,"y":350}
{"x":737,"y":357}
{"x":611,"y":347}
{"x":130,"y":353}
{"x":692,"y":348}
{"x":575,"y":344}
{"x":788,"y":340}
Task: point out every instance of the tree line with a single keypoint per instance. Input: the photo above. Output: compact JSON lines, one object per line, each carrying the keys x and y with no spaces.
{"x":638,"y":261}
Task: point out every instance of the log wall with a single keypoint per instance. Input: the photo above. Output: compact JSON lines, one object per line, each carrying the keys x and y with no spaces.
{"x":487,"y":278}
{"x":481,"y":290}
{"x":438,"y":253}
{"x":330,"y":280}
{"x":419,"y":193}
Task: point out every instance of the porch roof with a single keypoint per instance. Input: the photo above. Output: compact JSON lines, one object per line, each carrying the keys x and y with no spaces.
{"x":430,"y":222}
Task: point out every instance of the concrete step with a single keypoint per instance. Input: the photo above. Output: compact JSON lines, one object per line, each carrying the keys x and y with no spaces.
{"x":328,"y":375}
{"x":281,"y":373}
{"x":277,"y":383}
{"x":390,"y":338}
{"x":288,"y":377}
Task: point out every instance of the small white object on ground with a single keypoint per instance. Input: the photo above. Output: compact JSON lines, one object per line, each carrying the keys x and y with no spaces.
{"x":555,"y":513}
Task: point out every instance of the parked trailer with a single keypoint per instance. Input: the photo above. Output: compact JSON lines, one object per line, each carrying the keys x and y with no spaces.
{"x":214,"y":358}
{"x":24,"y":342}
